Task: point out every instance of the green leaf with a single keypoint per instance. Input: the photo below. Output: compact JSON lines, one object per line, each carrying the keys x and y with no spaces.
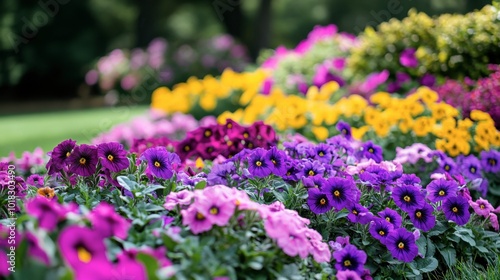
{"x":431,"y":248}
{"x":153,"y":188}
{"x":126,"y":183}
{"x":150,"y":264}
{"x":464,"y":235}
{"x":449,"y":255}
{"x":422,"y":246}
{"x":482,"y":249}
{"x":200,"y":185}
{"x":427,"y":265}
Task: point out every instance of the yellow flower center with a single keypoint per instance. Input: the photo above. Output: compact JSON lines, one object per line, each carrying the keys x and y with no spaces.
{"x":84,"y":255}
{"x":447,"y":167}
{"x":187,"y":148}
{"x":258,"y":163}
{"x":321,"y":154}
{"x":246,"y":135}
{"x":250,"y":145}
{"x":311,"y":173}
{"x":200,"y":216}
{"x":473,"y":170}
{"x":355,"y":212}
{"x":407,"y":198}
{"x":208,"y":133}
{"x":46,"y":192}
{"x":111,"y":158}
{"x":442,"y":193}
{"x":229,"y":125}
{"x":454,"y":209}
{"x":68,"y":154}
{"x":388,"y":219}
{"x":381,"y":232}
{"x":371,"y":150}
{"x":418,"y":214}
{"x":401,"y":245}
{"x":336,"y":193}
{"x":492,"y":162}
{"x":347,"y":263}
{"x":322,"y":201}
{"x":481,"y":206}
{"x":237,"y":202}
{"x":214,"y":211}
{"x":273,"y":161}
{"x":83,"y":161}
{"x":157,"y":164}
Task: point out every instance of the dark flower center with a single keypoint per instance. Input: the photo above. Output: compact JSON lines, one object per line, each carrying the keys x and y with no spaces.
{"x":258,"y":163}
{"x":454,"y":209}
{"x":250,"y":145}
{"x":311,"y":173}
{"x":111,"y":157}
{"x":187,"y":148}
{"x":322,"y":201}
{"x":371,"y":150}
{"x":347,"y":263}
{"x":447,"y":167}
{"x":157,"y":164}
{"x":246,"y":135}
{"x":407,"y":198}
{"x":214,"y":210}
{"x":344,"y":131}
{"x":336,"y":193}
{"x":83,"y":161}
{"x":492,"y":162}
{"x":381,"y":232}
{"x":229,"y":125}
{"x":401,"y":245}
{"x":418,"y":214}
{"x":442,"y":193}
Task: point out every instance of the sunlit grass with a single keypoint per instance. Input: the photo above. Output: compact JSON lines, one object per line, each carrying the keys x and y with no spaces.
{"x":26,"y":132}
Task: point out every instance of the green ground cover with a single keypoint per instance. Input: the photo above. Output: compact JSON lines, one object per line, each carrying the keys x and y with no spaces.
{"x":26,"y":132}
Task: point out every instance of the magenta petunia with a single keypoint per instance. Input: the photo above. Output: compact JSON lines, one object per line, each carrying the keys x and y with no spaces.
{"x":408,"y":59}
{"x":196,"y":220}
{"x":59,"y":157}
{"x":106,"y":222}
{"x":47,"y":212}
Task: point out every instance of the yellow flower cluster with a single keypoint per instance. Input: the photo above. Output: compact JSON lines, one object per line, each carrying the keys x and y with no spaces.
{"x":208,"y":91}
{"x":418,"y":115}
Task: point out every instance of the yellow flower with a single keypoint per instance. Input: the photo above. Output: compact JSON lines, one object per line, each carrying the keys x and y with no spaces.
{"x":427,"y":95}
{"x":406,"y":124}
{"x":358,"y":133}
{"x":456,"y":146}
{"x":441,"y":144}
{"x":465,"y":124}
{"x":383,"y":99}
{"x":495,"y":138}
{"x":208,"y":102}
{"x":478,"y":115}
{"x":371,"y":115}
{"x":199,"y":163}
{"x":423,"y":125}
{"x":442,"y":110}
{"x":481,"y":142}
{"x":320,"y":132}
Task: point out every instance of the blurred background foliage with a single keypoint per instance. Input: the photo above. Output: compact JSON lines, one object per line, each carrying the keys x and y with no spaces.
{"x":47,"y":46}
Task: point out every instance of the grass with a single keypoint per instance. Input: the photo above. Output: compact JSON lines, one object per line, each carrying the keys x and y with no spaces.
{"x":467,"y":271}
{"x":26,"y":132}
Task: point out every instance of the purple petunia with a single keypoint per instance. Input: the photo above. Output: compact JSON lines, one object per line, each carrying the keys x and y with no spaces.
{"x":391,"y":216}
{"x":35,"y":180}
{"x":380,"y":229}
{"x":220,"y":173}
{"x":401,"y":244}
{"x":490,"y":160}
{"x":423,"y":218}
{"x":372,"y":151}
{"x":347,"y":275}
{"x":359,"y":214}
{"x":319,"y":201}
{"x":408,"y":197}
{"x":345,"y":129}
{"x":310,"y":169}
{"x":59,"y":157}
{"x":277,"y":158}
{"x":441,"y":189}
{"x":160,"y":162}
{"x":340,"y":192}
{"x":113,"y":156}
{"x":457,"y":209}
{"x":350,"y":258}
{"x":259,"y":164}
{"x":83,"y":160}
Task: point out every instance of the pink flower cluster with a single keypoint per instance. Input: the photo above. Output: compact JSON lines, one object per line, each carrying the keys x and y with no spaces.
{"x":412,"y":154}
{"x":27,"y":161}
{"x":221,"y":206}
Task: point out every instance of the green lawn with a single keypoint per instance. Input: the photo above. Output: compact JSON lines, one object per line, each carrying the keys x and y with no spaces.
{"x":26,"y":132}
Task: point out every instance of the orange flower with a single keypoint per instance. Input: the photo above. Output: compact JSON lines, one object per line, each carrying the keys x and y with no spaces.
{"x":47,"y":192}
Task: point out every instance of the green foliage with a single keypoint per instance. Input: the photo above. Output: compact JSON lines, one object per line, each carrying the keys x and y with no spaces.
{"x":447,"y":46}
